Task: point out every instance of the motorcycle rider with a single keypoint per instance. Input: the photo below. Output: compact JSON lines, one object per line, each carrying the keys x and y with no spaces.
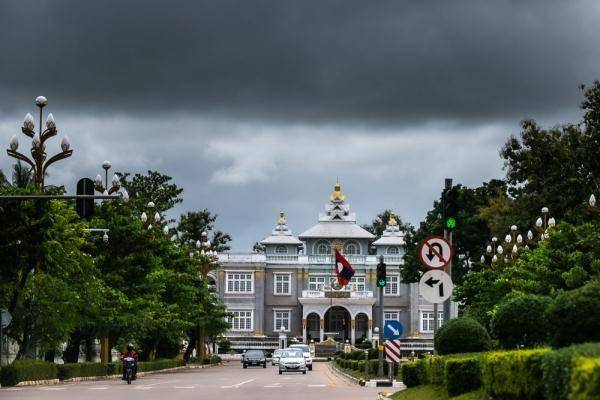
{"x":130,"y":353}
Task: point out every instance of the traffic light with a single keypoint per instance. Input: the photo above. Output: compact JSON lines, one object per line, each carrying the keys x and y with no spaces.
{"x":85,"y":207}
{"x":450,"y":208}
{"x":381,"y":277}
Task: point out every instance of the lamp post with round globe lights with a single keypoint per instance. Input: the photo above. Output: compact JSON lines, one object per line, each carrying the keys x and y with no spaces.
{"x":38,"y":162}
{"x":157,"y":218}
{"x":102,"y":186}
{"x":542,"y":224}
{"x":206,"y":260}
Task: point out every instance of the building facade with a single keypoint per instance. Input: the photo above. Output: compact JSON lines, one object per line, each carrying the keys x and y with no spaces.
{"x":291,"y":287}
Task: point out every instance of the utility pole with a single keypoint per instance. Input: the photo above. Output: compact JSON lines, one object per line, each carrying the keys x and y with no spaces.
{"x":381,"y":282}
{"x":447,"y":236}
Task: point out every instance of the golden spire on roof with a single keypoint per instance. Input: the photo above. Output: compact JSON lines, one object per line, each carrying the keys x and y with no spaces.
{"x":281,"y":220}
{"x":392,"y":220}
{"x":337,"y":194}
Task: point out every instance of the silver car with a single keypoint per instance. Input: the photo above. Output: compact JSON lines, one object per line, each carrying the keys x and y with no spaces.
{"x":292,"y":360}
{"x":275,"y":357}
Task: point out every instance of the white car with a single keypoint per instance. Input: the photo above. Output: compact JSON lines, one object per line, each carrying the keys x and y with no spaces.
{"x":275,"y":357}
{"x":306,"y":352}
{"x":292,"y":360}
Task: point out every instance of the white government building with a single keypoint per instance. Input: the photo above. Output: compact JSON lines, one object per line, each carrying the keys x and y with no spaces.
{"x":289,"y":287}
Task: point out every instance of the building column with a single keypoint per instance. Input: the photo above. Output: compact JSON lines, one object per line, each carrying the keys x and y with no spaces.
{"x":370,"y":329}
{"x":321,"y":329}
{"x":352,"y":331}
{"x":304,"y":330}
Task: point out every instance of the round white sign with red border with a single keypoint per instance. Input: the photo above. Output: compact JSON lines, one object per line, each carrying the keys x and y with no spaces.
{"x":435,"y":252}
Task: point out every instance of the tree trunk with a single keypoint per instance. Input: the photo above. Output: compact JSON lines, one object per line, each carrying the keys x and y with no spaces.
{"x":202,"y":343}
{"x":191,"y":346}
{"x":71,"y":353}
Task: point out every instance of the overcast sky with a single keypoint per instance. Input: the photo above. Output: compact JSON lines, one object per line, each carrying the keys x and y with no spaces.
{"x":257,"y":106}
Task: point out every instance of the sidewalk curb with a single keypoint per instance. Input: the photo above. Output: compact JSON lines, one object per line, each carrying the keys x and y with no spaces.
{"x":104,"y":377}
{"x":344,"y":375}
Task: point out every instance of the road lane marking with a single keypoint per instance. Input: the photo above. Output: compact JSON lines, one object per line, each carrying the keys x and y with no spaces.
{"x":184,"y":387}
{"x":237,"y":385}
{"x":98,"y":388}
{"x":51,"y":388}
{"x":321,"y":385}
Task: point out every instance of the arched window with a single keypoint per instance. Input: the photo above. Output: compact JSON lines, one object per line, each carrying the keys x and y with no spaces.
{"x":322,"y":247}
{"x":351,"y":248}
{"x":393,"y":250}
{"x":281,"y":250}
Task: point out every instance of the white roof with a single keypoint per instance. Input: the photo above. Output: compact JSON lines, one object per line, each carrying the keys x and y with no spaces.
{"x":336,"y":230}
{"x":273,"y":239}
{"x":389,"y":241}
{"x":391,"y":236}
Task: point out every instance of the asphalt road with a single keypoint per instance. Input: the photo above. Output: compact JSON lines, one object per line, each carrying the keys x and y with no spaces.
{"x":229,"y":382}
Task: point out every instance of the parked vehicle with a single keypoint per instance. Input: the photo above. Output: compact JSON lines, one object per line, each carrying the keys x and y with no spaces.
{"x":275,"y":357}
{"x":292,"y":360}
{"x":306,"y":352}
{"x":129,"y":367}
{"x":254,"y":357}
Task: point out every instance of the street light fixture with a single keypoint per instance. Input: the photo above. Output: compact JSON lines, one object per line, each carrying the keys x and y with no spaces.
{"x":38,"y":161}
{"x":102,"y":187}
{"x":157,"y":218}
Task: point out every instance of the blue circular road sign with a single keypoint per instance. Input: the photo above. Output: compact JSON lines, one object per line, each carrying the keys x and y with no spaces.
{"x":392,"y":329}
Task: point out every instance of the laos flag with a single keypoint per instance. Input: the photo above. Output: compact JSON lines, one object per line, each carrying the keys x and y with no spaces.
{"x":343,"y":269}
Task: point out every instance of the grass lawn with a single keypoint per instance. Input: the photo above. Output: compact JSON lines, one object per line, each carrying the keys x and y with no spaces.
{"x":431,"y":392}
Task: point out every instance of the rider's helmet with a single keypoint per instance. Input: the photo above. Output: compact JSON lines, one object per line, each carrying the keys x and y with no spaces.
{"x":129,"y":347}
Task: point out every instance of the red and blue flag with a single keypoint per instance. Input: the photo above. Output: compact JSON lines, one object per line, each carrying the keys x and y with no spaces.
{"x":343,"y":269}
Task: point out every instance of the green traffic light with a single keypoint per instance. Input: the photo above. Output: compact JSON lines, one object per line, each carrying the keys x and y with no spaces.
{"x":451,"y":223}
{"x":382,"y":283}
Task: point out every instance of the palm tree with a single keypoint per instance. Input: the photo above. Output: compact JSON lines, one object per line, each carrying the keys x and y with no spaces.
{"x":22,"y":176}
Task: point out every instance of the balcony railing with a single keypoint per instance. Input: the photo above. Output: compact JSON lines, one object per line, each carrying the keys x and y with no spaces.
{"x":303,"y":259}
{"x":349,"y":294}
{"x":282,"y":258}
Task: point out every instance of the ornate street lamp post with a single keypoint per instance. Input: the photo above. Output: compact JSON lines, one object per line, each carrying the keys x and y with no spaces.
{"x":38,"y":161}
{"x":157,"y":218}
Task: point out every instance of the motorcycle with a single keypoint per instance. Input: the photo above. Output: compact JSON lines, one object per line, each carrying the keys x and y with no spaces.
{"x":129,"y":367}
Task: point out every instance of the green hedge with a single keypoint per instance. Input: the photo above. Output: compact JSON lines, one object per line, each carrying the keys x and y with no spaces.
{"x":434,"y":369}
{"x":585,"y":382}
{"x":27,"y":370}
{"x":557,"y":368}
{"x":145,"y":366}
{"x":413,"y":373}
{"x":513,"y":374}
{"x":462,"y":375}
{"x":68,"y":371}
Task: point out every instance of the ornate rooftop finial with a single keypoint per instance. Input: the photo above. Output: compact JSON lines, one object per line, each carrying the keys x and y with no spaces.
{"x":337,"y":194}
{"x":281,"y":220}
{"x":392,"y":220}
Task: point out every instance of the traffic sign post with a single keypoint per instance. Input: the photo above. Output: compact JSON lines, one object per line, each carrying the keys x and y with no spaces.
{"x":435,"y":252}
{"x":435,"y":286}
{"x":392,"y":351}
{"x":393,"y":329}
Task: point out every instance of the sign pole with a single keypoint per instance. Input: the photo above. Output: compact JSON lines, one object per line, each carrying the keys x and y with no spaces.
{"x":381,"y":334}
{"x":447,"y":236}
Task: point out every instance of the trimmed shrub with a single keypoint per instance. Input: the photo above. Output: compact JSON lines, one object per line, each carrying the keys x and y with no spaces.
{"x":114,"y":368}
{"x":224,"y":346}
{"x":461,"y":335}
{"x":72,"y":370}
{"x":215,"y":359}
{"x":462,"y":375}
{"x":434,"y":369}
{"x":145,"y":366}
{"x":513,"y":374}
{"x":585,"y":382}
{"x":557,"y":367}
{"x":521,"y":320}
{"x":575,"y":316}
{"x":27,"y":370}
{"x":413,"y":373}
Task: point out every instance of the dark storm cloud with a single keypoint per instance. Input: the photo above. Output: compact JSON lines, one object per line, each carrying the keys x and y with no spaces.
{"x":389,"y":61}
